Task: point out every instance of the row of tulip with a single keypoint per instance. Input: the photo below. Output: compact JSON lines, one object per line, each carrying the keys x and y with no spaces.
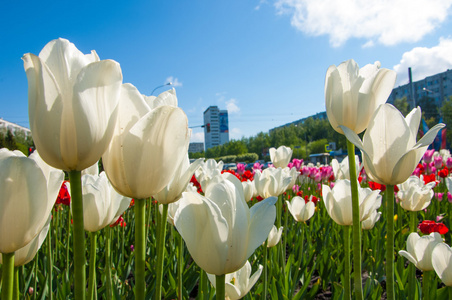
{"x":309,"y":222}
{"x":80,"y":111}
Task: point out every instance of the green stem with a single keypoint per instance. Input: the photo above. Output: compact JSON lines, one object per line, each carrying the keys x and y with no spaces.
{"x":160,"y":249}
{"x":356,"y":223}
{"x":264,"y":292}
{"x":123,"y":230}
{"x":411,"y":267}
{"x":16,"y":292}
{"x":220,"y":282}
{"x":92,"y":265}
{"x":284,"y":236}
{"x":49,"y":264}
{"x":78,"y":235}
{"x":449,"y":289}
{"x":180,"y":265}
{"x":109,"y":295}
{"x":203,"y":284}
{"x":68,"y":244}
{"x":56,"y":226}
{"x":426,"y":285}
{"x":389,"y":195}
{"x":7,"y":275}
{"x":35,"y":276}
{"x":280,"y":257}
{"x":140,"y":249}
{"x":449,"y":212}
{"x":149,"y":219}
{"x":347,"y":284}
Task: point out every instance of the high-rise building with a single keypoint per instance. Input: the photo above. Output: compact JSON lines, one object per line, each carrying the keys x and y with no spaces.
{"x":195,"y":147}
{"x":216,"y":127}
{"x":437,"y":87}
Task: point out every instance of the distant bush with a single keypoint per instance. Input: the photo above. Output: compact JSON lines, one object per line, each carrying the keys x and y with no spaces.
{"x":228,"y":158}
{"x":247,"y":157}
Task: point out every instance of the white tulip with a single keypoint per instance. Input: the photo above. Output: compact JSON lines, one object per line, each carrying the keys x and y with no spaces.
{"x":274,"y":236}
{"x":420,"y":248}
{"x":338,"y":202}
{"x":280,"y":157}
{"x":147,"y":147}
{"x":73,"y":104}
{"x":239,"y":283}
{"x":389,"y":147}
{"x":220,"y":231}
{"x":352,"y":95}
{"x":29,"y":188}
{"x":300,"y":210}
{"x":102,"y":205}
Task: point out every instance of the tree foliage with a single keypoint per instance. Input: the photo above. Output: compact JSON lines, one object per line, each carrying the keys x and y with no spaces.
{"x":304,"y":138}
{"x":15,"y":141}
{"x":402,"y":105}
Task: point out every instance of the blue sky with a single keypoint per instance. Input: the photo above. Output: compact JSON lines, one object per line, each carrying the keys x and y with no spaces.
{"x":264,"y":61}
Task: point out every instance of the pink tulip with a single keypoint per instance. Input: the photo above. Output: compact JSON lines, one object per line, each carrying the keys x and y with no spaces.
{"x":297,"y":163}
{"x":438,"y":162}
{"x":417,"y":172}
{"x":449,"y":162}
{"x":439,"y":218}
{"x":240,"y":169}
{"x":257,"y":166}
{"x":439,"y":196}
{"x":428,"y":155}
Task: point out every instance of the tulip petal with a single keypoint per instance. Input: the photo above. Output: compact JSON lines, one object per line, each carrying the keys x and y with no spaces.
{"x":408,"y":256}
{"x":232,"y":292}
{"x":413,"y":120}
{"x":26,"y":254}
{"x":24,"y":188}
{"x":166,"y":98}
{"x":162,"y":137}
{"x":382,"y":85}
{"x":442,"y":262}
{"x":45,"y":102}
{"x":227,"y":193}
{"x":204,"y":230}
{"x":352,"y":137}
{"x":430,"y":136}
{"x":65,"y":61}
{"x":333,"y":90}
{"x":263,"y":215}
{"x":253,"y":279}
{"x":94,"y":109}
{"x":173,"y":191}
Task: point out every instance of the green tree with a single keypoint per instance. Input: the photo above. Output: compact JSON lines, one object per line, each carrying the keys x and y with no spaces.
{"x":10,"y":141}
{"x":402,"y":105}
{"x":446,"y":113}
{"x":429,"y":108}
{"x":235,"y":147}
{"x":318,"y":146}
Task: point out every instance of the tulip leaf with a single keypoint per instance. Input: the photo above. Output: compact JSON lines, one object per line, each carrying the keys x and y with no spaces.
{"x":399,"y":281}
{"x":442,"y":293}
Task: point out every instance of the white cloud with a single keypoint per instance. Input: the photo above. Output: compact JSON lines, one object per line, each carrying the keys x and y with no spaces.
{"x":425,"y":61}
{"x":231,"y":106}
{"x":388,"y":22}
{"x":197,"y":137}
{"x":235,"y":134}
{"x":175,"y":82}
{"x":257,"y":7}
